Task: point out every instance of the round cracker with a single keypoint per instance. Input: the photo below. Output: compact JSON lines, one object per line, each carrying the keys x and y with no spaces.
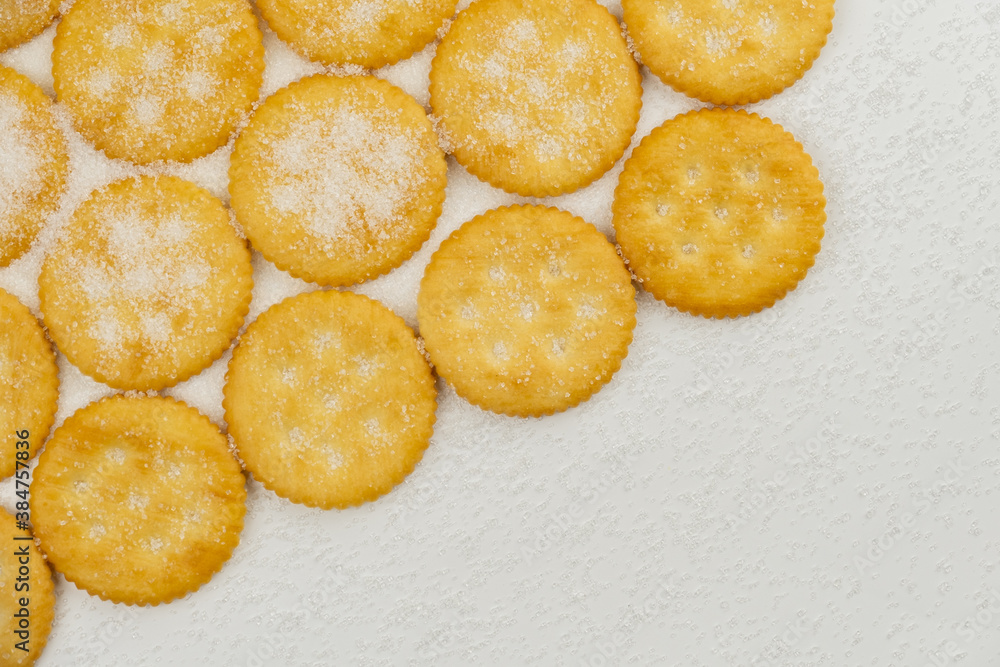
{"x":329,"y":399}
{"x":526,"y":310}
{"x":149,"y":80}
{"x":39,"y":594}
{"x":148,"y":284}
{"x":725,"y":52}
{"x":138,"y":499}
{"x":368,"y":33}
{"x":22,"y":20}
{"x":338,"y":179}
{"x":34,"y":163}
{"x":29,"y":384}
{"x":720,"y":213}
{"x":538,"y":97}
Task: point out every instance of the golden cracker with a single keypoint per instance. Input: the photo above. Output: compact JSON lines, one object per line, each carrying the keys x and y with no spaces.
{"x":367,"y":33}
{"x":16,"y":586}
{"x":329,"y":400}
{"x":526,"y":310}
{"x":29,"y":384}
{"x":145,"y":80}
{"x":338,"y":180}
{"x":155,"y":498}
{"x":538,"y":97}
{"x":148,"y":284}
{"x":22,"y":20}
{"x":719,"y":213}
{"x":729,"y":53}
{"x":35,"y":163}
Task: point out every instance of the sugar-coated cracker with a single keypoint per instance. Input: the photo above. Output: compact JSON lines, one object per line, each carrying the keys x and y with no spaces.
{"x":21,"y":20}
{"x":146,"y":80}
{"x":34,"y":163}
{"x":368,"y":33}
{"x":148,"y":284}
{"x":538,"y":97}
{"x":526,"y":310}
{"x":720,"y":213}
{"x":24,"y":577}
{"x":138,"y":499}
{"x":329,"y":399}
{"x":338,"y":179}
{"x":725,"y":52}
{"x":29,"y":384}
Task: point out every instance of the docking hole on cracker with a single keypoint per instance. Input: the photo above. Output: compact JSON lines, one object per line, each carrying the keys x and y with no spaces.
{"x":138,"y":499}
{"x":148,"y":284}
{"x":145,"y":80}
{"x":338,"y":179}
{"x":329,"y":399}
{"x":538,"y":97}
{"x":719,"y":212}
{"x":526,"y":310}
{"x":728,"y":52}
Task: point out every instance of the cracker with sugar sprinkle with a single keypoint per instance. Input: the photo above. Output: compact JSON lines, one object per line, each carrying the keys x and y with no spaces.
{"x":720,"y":213}
{"x":148,"y":284}
{"x":29,"y":383}
{"x":34,"y":163}
{"x":138,"y":499}
{"x":367,"y":33}
{"x":36,"y":588}
{"x":538,"y":97}
{"x":149,"y":80}
{"x":21,"y":20}
{"x":338,"y":179}
{"x":329,"y":399}
{"x":729,"y":52}
{"x":526,"y":310}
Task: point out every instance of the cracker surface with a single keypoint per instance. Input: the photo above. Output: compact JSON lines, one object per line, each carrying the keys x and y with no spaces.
{"x":729,"y":52}
{"x":35,"y":587}
{"x":34,"y":163}
{"x":21,"y":20}
{"x":29,"y":384}
{"x":148,"y":80}
{"x":138,"y":500}
{"x":720,"y":213}
{"x":338,"y":179}
{"x":369,"y":33}
{"x":329,"y":399}
{"x":538,"y":97}
{"x":526,"y":310}
{"x":148,"y":284}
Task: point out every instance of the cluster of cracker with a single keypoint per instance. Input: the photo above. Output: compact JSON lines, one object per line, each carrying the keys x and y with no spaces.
{"x":148,"y":284}
{"x":538,"y":97}
{"x":149,"y":80}
{"x":40,"y":595}
{"x":526,"y":310}
{"x":729,"y":52}
{"x":338,"y":179}
{"x":29,"y":382}
{"x":155,"y":499}
{"x":329,"y":399}
{"x":34,"y":163}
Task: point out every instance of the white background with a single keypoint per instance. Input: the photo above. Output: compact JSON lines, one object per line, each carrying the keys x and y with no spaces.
{"x":735,"y":496}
